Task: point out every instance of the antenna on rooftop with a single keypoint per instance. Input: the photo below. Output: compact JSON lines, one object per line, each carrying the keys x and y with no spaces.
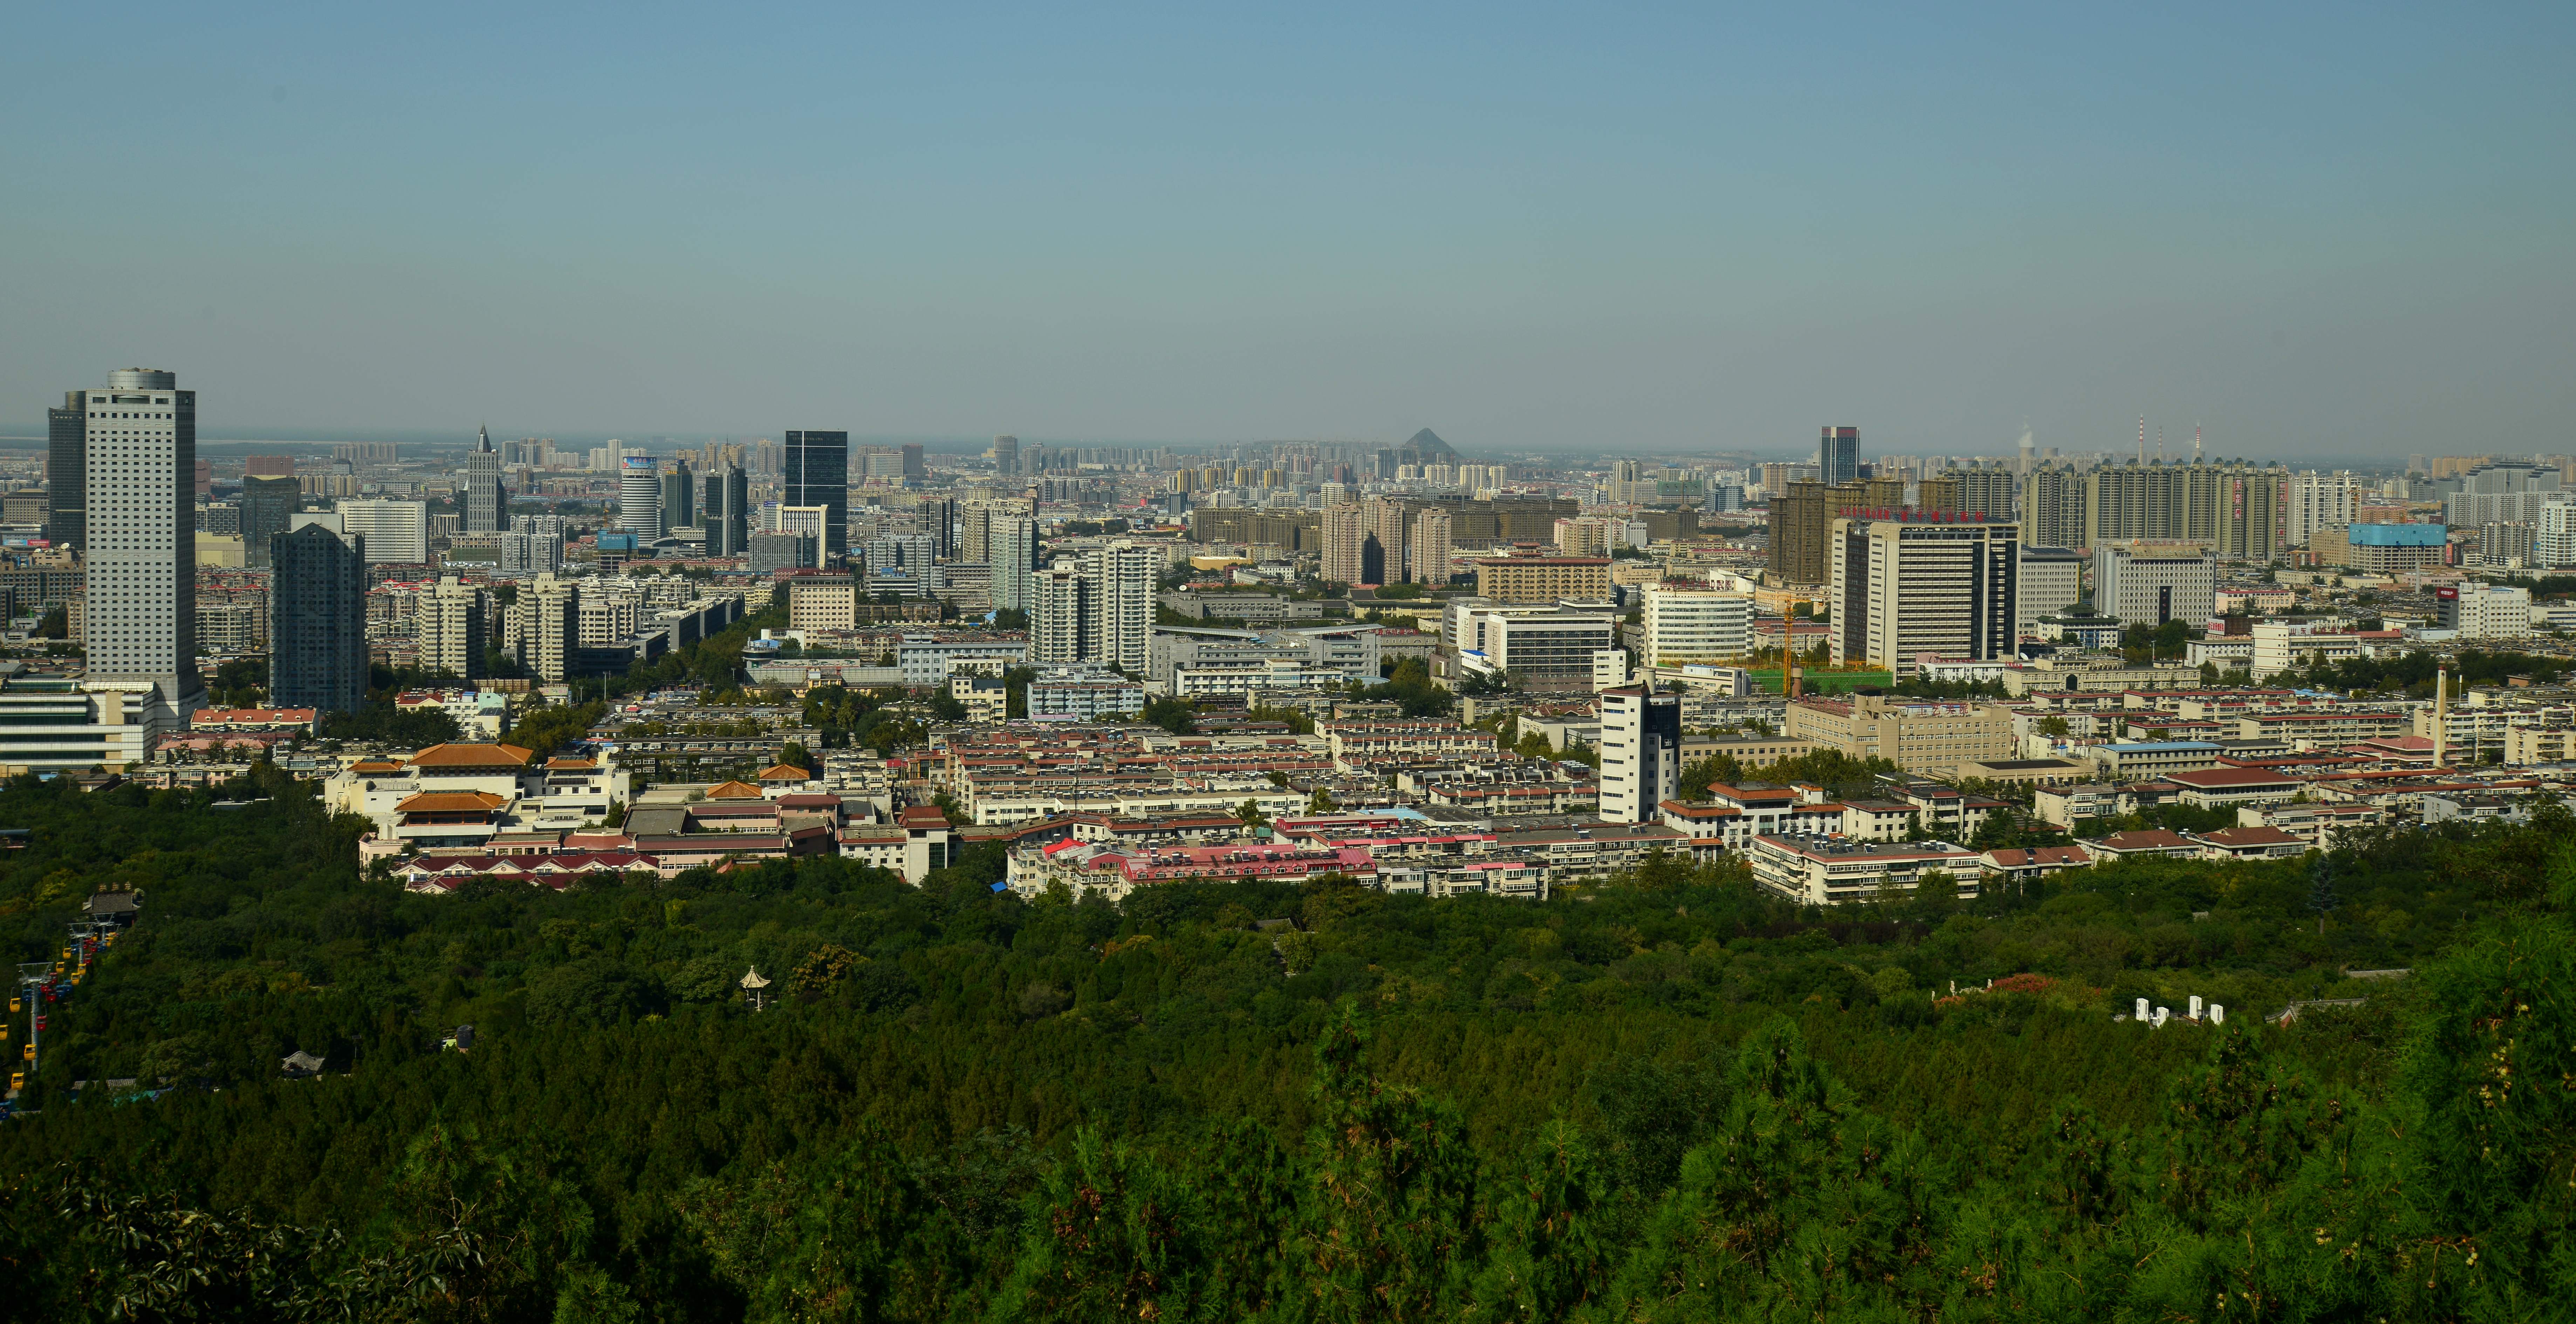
{"x":2142,"y":439}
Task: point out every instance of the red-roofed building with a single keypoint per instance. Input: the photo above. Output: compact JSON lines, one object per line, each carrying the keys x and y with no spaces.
{"x":2227,"y":788}
{"x":2250,"y":843}
{"x":2149,"y":843}
{"x":2017,"y":865}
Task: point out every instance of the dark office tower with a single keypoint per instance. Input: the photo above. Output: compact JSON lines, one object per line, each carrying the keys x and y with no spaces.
{"x":679,"y":499}
{"x":487,"y":503}
{"x":913,"y":465}
{"x":726,"y":509}
{"x":1838,"y":456}
{"x":814,"y":468}
{"x":939,"y":520}
{"x":317,"y":620}
{"x":1006,"y":454}
{"x":267,"y":507}
{"x":66,"y":463}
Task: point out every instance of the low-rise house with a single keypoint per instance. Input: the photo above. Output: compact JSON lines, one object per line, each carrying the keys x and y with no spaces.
{"x":1833,"y":871}
{"x":2026,"y":865}
{"x":2250,"y":843}
{"x":2314,"y":824}
{"x":2228,"y":788}
{"x":2065,"y":806}
{"x":2149,"y":842}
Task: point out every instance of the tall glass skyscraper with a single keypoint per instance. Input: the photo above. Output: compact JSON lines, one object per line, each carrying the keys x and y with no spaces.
{"x":1838,"y":456}
{"x":725,"y":508}
{"x":267,"y":507}
{"x":815,"y":469}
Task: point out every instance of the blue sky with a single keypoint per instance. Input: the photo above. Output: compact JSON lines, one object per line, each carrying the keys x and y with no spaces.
{"x":2318,"y":230}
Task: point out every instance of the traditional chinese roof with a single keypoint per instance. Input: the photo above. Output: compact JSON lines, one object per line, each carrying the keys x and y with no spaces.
{"x":473,"y":756}
{"x":451,"y":802}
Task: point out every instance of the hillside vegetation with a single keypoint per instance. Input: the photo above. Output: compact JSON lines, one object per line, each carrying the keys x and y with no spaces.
{"x":1668,"y":1098}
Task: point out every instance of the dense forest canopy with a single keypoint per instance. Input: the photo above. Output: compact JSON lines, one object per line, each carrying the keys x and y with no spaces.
{"x":1667,"y":1098}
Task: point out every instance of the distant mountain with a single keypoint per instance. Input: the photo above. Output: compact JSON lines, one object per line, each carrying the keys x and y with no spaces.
{"x":1428,"y":445}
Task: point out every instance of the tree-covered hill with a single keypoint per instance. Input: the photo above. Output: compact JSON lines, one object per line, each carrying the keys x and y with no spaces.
{"x":1666,"y":1098}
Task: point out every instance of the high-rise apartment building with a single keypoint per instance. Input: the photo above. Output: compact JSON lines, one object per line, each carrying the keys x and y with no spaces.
{"x":1346,"y":533}
{"x":1680,"y":626}
{"x":397,"y":532}
{"x":1430,"y":547}
{"x":1006,"y":454}
{"x":914,"y":465}
{"x":1097,"y":608}
{"x":1802,"y":522}
{"x":317,"y":625}
{"x":725,"y":510}
{"x":1385,"y":563}
{"x":815,"y":470}
{"x":2554,"y":541}
{"x":452,"y":633}
{"x":1838,"y":456}
{"x":139,"y":464}
{"x":549,"y":628}
{"x":1011,"y":548}
{"x":1641,"y":743}
{"x":2320,"y":501}
{"x":267,"y":507}
{"x":1908,"y":583}
{"x":2056,"y":509}
{"x":679,"y":498}
{"x":2147,"y":584}
{"x":1981,"y":491}
{"x":639,"y":499}
{"x":2240,"y":511}
{"x":487,"y":503}
{"x":1128,"y":574}
{"x":1064,"y":615}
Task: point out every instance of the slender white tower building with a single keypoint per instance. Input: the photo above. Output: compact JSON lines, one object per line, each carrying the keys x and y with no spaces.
{"x":139,"y":453}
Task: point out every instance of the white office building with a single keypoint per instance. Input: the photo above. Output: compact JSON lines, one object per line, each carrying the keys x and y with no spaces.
{"x":2050,"y":581}
{"x":1681,"y":626}
{"x":1641,"y":745}
{"x":2145,"y":584}
{"x":1922,"y":583}
{"x":396,"y":531}
{"x":2485,"y":611}
{"x":639,"y":499}
{"x":139,"y":461}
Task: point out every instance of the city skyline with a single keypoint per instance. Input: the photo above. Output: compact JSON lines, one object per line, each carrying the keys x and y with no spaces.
{"x":1612,"y":233}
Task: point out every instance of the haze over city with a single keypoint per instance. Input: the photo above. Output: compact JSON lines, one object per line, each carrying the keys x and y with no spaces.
{"x":2322,"y":233}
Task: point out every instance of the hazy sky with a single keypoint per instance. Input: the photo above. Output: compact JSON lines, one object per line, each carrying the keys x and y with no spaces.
{"x":2330,"y":229}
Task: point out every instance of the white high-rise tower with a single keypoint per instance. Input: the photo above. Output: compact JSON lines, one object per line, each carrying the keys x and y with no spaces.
{"x":139,"y":453}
